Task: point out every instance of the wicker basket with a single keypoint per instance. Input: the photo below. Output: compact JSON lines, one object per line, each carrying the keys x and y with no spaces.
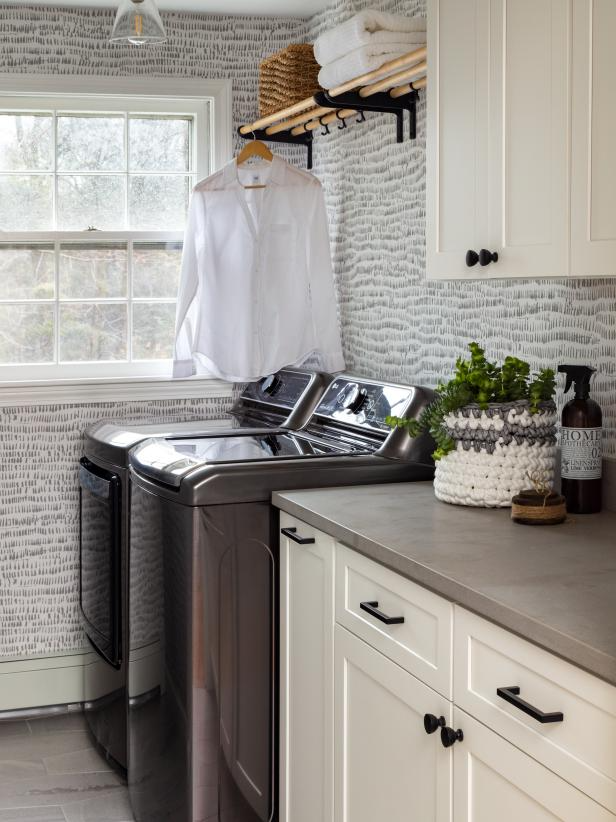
{"x":287,"y":77}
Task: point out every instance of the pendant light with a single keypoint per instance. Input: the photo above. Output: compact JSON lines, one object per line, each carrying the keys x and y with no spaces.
{"x":138,"y":22}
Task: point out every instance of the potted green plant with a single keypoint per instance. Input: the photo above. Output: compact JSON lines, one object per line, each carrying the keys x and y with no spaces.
{"x":492,"y":424}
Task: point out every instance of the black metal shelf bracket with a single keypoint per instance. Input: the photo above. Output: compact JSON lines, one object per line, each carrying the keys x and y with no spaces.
{"x":382,"y":102}
{"x":303,"y":139}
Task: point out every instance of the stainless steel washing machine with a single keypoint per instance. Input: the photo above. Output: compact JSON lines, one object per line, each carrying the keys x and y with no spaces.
{"x":203,"y":594}
{"x":282,"y":401}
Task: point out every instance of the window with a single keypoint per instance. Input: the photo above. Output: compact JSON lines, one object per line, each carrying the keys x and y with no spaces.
{"x":94,"y":191}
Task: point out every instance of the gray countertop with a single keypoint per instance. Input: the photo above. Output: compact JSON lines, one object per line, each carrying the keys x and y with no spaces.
{"x":554,"y":585}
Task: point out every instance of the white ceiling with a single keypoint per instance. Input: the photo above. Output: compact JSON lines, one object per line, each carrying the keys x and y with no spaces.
{"x":278,"y":8}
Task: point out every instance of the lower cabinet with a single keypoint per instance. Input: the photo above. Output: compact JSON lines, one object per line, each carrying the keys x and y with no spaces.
{"x":495,"y":780}
{"x":354,"y":744}
{"x":386,"y":766}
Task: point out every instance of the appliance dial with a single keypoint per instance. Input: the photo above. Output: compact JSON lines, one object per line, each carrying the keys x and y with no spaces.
{"x":355,"y":398}
{"x":270,"y":385}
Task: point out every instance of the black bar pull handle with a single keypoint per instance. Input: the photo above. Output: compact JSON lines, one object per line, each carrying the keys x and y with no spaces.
{"x":292,"y":534}
{"x":511,"y":695}
{"x":372,"y":608}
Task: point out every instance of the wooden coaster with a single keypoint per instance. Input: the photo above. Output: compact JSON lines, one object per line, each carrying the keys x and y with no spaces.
{"x":531,"y":508}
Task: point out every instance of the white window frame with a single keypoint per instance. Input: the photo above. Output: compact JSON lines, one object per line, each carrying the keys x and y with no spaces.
{"x":209,"y":101}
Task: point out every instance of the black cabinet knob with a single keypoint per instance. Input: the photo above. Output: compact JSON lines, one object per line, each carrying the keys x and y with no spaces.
{"x":449,"y":736}
{"x":486,"y":257}
{"x":433,"y":723}
{"x":472,"y":258}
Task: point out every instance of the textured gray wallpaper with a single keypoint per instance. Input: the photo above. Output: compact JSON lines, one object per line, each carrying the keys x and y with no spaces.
{"x":39,"y":515}
{"x":39,"y":447}
{"x":395,"y":323}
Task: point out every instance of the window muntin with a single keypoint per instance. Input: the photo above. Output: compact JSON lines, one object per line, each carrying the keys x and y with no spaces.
{"x":76,"y":302}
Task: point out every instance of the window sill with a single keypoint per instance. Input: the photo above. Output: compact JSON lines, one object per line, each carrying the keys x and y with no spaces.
{"x":79,"y":391}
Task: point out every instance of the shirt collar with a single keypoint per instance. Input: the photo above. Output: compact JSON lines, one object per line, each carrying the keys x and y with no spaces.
{"x":276,"y":176}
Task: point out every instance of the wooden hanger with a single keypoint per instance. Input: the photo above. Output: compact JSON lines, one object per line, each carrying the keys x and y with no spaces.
{"x":255,"y":148}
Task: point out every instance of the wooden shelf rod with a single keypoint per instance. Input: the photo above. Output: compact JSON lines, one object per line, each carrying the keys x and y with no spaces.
{"x":286,"y":125}
{"x":400,"y":91}
{"x":393,"y":80}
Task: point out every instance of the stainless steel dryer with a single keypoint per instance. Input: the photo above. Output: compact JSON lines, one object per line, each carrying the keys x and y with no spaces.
{"x":282,"y":401}
{"x":203,"y":594}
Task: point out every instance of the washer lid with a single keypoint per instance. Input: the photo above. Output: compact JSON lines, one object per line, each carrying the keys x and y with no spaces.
{"x":169,"y":460}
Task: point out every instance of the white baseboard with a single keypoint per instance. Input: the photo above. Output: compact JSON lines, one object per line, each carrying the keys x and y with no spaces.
{"x":36,"y":683}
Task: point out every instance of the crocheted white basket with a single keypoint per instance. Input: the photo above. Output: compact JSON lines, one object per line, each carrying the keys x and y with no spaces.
{"x":496,"y":449}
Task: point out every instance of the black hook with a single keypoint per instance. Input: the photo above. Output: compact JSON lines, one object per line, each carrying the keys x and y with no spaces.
{"x":361,"y":118}
{"x":325,"y":129}
{"x":342,"y":124}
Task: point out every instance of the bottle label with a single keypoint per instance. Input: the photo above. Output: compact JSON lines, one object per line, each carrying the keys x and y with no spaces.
{"x":581,"y":450}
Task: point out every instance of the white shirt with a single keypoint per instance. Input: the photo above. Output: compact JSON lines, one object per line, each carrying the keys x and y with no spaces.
{"x":256,"y":289}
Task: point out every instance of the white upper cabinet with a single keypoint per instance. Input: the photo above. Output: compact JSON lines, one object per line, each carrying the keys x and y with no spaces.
{"x":521,"y":105}
{"x":593,"y":178}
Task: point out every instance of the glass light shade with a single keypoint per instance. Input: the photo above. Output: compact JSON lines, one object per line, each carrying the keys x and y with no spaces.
{"x":138,"y":22}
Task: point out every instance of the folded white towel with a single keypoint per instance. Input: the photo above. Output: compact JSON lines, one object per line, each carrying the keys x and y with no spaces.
{"x":362,"y":60}
{"x":358,"y":31}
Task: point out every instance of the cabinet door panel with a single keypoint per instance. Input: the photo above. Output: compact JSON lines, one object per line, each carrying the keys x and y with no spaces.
{"x":593,"y":217}
{"x":307,"y":678}
{"x":529,"y":125}
{"x":495,"y":780}
{"x":387,"y":767}
{"x":457,"y":151}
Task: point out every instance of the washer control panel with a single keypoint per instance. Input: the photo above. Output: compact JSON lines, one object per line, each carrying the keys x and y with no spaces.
{"x":283,"y":389}
{"x":362,"y":403}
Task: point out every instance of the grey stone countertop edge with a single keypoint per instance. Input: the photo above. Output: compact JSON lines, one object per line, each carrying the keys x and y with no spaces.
{"x":568,"y":647}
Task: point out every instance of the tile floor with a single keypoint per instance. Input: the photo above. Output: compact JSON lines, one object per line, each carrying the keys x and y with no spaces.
{"x":50,"y":772}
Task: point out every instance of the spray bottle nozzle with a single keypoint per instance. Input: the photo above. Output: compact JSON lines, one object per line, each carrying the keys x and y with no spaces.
{"x":578,"y":375}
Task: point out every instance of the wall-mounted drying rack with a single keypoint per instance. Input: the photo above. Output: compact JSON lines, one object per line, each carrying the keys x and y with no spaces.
{"x":394,"y":94}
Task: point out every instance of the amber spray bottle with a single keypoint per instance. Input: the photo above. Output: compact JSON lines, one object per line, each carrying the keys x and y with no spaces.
{"x":581,"y":444}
